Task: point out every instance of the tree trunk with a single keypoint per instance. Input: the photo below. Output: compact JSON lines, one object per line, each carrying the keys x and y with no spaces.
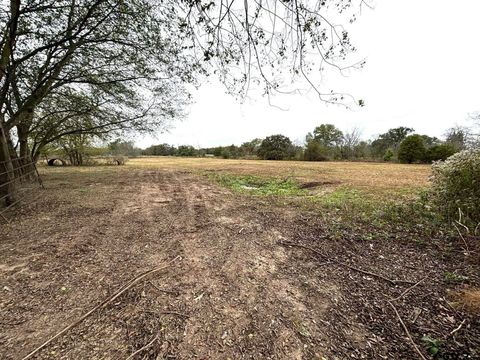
{"x":23,"y":130}
{"x":36,"y":156}
{"x":7,"y":183}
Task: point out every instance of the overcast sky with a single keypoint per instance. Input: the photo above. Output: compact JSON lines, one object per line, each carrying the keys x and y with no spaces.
{"x":422,"y":71}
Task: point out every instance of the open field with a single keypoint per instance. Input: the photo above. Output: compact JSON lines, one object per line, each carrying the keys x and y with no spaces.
{"x":239,"y":276}
{"x":371,"y":178}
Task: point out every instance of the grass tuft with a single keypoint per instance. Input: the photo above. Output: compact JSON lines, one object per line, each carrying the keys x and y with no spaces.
{"x":467,"y":299}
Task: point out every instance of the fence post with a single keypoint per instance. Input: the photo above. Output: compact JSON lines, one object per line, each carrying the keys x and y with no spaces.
{"x":20,"y":175}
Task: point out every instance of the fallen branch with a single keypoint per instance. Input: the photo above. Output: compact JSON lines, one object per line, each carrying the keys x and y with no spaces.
{"x":174,"y":313}
{"x":163,"y":290}
{"x":407,"y":332}
{"x":150,"y":343}
{"x":166,"y":312}
{"x":101,"y":305}
{"x":391,"y":281}
{"x":4,"y":218}
{"x":458,"y":328}
{"x":410,"y":288}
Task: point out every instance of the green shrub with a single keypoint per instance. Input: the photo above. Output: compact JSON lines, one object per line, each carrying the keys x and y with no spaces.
{"x":388,"y":155}
{"x":315,"y":152}
{"x":456,"y":186}
{"x":440,"y":152}
{"x":412,"y":149}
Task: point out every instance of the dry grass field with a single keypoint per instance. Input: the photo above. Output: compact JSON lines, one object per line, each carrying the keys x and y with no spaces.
{"x":164,"y":259}
{"x":385,"y":179}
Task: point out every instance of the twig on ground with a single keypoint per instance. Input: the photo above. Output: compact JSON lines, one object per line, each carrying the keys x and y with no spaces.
{"x":410,"y":288}
{"x":103,"y":304}
{"x":391,"y":281}
{"x":150,"y":343}
{"x":174,"y":313}
{"x":407,"y":332}
{"x":458,"y":327}
{"x":13,"y":323}
{"x":461,"y":236}
{"x":166,"y":312}
{"x":163,"y":290}
{"x":4,"y":218}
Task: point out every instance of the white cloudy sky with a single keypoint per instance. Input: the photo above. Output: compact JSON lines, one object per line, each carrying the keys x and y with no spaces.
{"x":423,"y":71}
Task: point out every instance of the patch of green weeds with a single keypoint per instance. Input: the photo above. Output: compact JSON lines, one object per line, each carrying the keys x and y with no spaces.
{"x":412,"y":214}
{"x":344,"y":198}
{"x":433,"y":345}
{"x":302,"y":329}
{"x":454,"y":277}
{"x":415,"y":214}
{"x":259,"y":186}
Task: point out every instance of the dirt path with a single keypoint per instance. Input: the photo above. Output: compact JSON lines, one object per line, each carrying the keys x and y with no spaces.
{"x":226,"y":297}
{"x":234,"y":293}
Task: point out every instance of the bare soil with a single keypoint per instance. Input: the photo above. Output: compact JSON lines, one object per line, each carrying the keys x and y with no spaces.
{"x":252,"y":278}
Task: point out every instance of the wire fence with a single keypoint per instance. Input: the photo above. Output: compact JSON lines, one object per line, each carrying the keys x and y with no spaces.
{"x":23,"y":176}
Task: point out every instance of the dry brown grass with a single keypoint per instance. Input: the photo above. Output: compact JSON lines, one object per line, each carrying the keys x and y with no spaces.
{"x":468,"y":300}
{"x":373,"y":178}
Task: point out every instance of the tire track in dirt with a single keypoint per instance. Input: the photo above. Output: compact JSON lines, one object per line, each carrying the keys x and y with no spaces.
{"x":239,"y":303}
{"x":233,"y":281}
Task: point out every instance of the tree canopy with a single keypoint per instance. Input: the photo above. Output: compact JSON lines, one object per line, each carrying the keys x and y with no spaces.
{"x":412,"y":149}
{"x":276,"y":147}
{"x":328,"y":135}
{"x":90,"y":67}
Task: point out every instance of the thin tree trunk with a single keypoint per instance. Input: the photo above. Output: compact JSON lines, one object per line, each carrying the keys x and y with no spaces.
{"x":36,"y":155}
{"x":22,"y":133}
{"x":7,"y":185}
{"x":13,"y":155}
{"x":23,"y":130}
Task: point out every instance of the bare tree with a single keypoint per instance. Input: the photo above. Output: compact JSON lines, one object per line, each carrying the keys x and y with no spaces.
{"x":460,"y":137}
{"x":351,"y":139}
{"x":475,"y":119}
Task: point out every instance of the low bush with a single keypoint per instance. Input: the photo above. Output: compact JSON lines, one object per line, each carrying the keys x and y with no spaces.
{"x":439,"y":152}
{"x":388,"y":155}
{"x":456,"y":187}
